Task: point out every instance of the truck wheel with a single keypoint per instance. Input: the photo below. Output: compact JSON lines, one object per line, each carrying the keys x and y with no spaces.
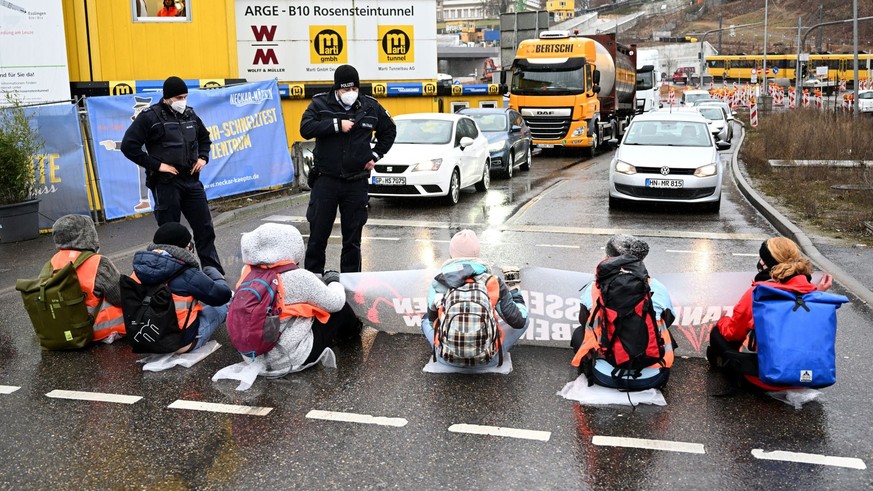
{"x":595,"y":142}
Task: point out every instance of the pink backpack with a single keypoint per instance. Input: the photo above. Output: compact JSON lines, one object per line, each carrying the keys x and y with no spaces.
{"x":253,"y":318}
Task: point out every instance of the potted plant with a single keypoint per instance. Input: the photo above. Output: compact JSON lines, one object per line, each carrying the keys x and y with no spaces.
{"x":19,"y":145}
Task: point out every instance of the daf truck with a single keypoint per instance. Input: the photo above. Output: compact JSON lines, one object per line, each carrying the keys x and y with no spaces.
{"x":574,"y":91}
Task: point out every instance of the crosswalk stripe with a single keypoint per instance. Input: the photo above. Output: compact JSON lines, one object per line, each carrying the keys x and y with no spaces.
{"x":809,"y":458}
{"x":666,"y":445}
{"x":220,"y":408}
{"x":355,"y":418}
{"x":542,"y":436}
{"x":93,"y":396}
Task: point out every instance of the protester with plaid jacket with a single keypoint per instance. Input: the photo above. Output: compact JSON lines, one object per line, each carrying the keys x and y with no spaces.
{"x":464,"y":264}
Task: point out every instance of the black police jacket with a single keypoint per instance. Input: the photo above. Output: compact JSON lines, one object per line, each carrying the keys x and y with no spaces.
{"x":341,"y":154}
{"x":169,"y":138}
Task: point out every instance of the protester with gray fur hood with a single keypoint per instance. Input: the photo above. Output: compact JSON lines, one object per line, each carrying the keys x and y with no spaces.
{"x":302,"y":339}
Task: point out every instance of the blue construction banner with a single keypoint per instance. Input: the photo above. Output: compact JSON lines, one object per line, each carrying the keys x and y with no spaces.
{"x":60,"y":169}
{"x":249,"y":148}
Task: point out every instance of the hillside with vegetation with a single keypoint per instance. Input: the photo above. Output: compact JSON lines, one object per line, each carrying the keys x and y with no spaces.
{"x":703,"y":16}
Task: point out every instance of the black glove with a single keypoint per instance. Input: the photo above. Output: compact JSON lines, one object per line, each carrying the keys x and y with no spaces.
{"x":517,"y":297}
{"x":330,"y":276}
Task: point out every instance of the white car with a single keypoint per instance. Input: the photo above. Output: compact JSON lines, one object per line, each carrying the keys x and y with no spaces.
{"x":434,"y":154}
{"x":667,"y":157}
{"x":865,"y":101}
{"x":692,"y":97}
{"x":728,"y":112}
{"x":718,"y":124}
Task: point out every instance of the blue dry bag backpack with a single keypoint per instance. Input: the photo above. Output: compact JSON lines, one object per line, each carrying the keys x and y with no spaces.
{"x":795,"y":334}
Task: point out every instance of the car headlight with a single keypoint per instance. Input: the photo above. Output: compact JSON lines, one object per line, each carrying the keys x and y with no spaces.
{"x":706,"y":170}
{"x":428,"y":165}
{"x":578,"y":131}
{"x":497,"y":146}
{"x":625,"y":168}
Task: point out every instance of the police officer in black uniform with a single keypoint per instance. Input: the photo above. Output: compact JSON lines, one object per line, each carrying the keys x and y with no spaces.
{"x":343,"y":123}
{"x":176,"y":149}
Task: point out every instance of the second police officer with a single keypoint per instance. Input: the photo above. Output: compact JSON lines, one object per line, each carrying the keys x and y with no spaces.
{"x":343,"y":123}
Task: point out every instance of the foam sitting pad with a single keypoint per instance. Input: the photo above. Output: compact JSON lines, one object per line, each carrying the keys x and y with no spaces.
{"x":437,"y":367}
{"x":159,"y":363}
{"x":247,"y":371}
{"x":595,"y":395}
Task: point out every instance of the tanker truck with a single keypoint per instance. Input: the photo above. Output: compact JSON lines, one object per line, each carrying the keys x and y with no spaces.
{"x":574,"y":91}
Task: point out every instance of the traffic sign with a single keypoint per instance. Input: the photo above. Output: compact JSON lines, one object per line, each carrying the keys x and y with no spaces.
{"x":775,"y":70}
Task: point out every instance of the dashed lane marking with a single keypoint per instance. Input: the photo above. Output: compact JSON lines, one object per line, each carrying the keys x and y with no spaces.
{"x":666,"y":445}
{"x":8,"y":389}
{"x":220,"y":408}
{"x":381,"y":238}
{"x":542,"y":436}
{"x":744,"y":254}
{"x":560,"y":246}
{"x":355,"y":418}
{"x":554,"y":229}
{"x":809,"y":458}
{"x":93,"y":396}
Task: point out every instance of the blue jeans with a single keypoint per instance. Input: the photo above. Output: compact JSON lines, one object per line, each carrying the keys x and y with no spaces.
{"x":510,"y":337}
{"x":210,"y":318}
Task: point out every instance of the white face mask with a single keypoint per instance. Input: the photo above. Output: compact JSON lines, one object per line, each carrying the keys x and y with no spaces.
{"x":179,"y":106}
{"x":349,"y":97}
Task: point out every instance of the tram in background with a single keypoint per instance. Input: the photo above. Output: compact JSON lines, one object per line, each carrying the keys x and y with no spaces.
{"x":739,"y":67}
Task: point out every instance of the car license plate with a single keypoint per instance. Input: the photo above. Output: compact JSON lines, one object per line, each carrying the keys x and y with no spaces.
{"x":389,"y":181}
{"x":664,"y":183}
{"x":545,"y":145}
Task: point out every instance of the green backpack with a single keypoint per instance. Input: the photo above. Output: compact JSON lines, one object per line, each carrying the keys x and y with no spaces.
{"x":56,"y":305}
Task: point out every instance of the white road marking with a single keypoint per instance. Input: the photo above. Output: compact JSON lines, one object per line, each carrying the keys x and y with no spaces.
{"x":8,"y":389}
{"x":429,"y":241}
{"x":220,"y":408}
{"x":687,"y":252}
{"x":355,"y":418}
{"x":381,"y":238}
{"x":561,"y":246}
{"x":809,"y":458}
{"x":744,"y":254}
{"x":542,"y":436}
{"x":666,"y":445}
{"x":509,"y":226}
{"x":93,"y":396}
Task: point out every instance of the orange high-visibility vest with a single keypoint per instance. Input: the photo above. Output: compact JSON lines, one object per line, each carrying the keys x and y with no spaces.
{"x":182,"y":304}
{"x":299,"y":309}
{"x":591,"y":341}
{"x":108,"y":318}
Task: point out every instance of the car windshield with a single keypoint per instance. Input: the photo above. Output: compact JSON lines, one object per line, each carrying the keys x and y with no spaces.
{"x":712,"y":113}
{"x":424,"y":131}
{"x":865,"y":95}
{"x":490,"y":122}
{"x":668,"y":133}
{"x":696,"y":97}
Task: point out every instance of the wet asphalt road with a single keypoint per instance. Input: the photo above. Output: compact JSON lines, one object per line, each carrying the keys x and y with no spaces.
{"x":554,"y":216}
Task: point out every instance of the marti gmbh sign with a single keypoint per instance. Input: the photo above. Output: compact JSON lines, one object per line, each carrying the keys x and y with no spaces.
{"x":296,"y":40}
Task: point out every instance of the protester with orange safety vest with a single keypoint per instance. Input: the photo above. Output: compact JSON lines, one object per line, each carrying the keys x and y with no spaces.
{"x":585,"y":339}
{"x":98,"y":277}
{"x":315,"y":315}
{"x":731,"y":343}
{"x":170,"y":258}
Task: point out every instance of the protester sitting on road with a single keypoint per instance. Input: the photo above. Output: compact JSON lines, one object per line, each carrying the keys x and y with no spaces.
{"x":625,"y":254}
{"x":314,"y":313}
{"x":200,"y":296}
{"x":98,"y":276}
{"x":731,"y":343}
{"x":463,"y":299}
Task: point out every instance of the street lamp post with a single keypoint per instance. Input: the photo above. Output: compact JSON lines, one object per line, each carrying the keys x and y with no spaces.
{"x":764,"y":82}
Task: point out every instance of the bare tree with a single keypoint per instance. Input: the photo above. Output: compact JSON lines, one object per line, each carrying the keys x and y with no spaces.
{"x":493,"y":8}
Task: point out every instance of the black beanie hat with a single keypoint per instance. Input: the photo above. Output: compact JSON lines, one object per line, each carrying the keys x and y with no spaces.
{"x":345,"y":76}
{"x":174,"y":86}
{"x":173,"y":233}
